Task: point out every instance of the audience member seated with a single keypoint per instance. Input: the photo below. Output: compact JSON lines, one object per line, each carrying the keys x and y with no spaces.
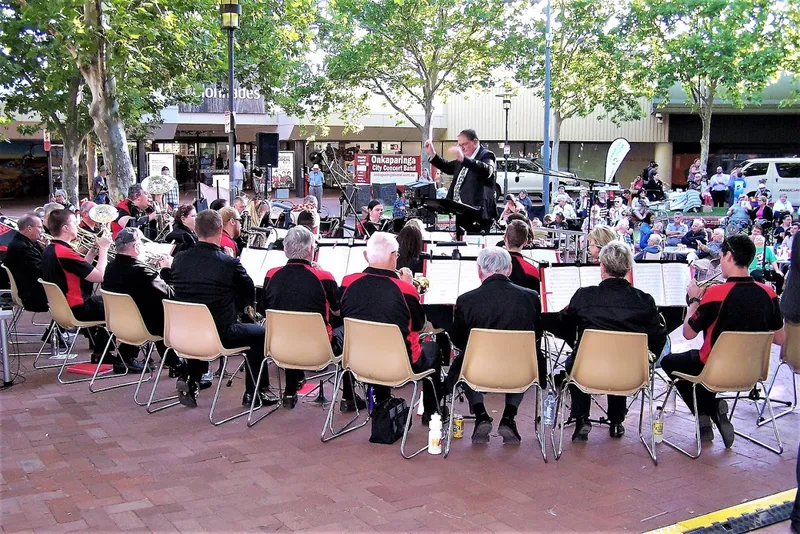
{"x":618,"y":212}
{"x":205,"y":274}
{"x":564,"y":207}
{"x":764,"y":266}
{"x":616,"y":306}
{"x":783,"y":231}
{"x":676,"y":230}
{"x":695,"y":235}
{"x":523,"y":272}
{"x":782,"y":207}
{"x":592,"y":220}
{"x":645,"y":229}
{"x":625,"y":232}
{"x":489,"y":306}
{"x":24,"y":260}
{"x":378,"y":294}
{"x":762,"y":212}
{"x":707,"y":253}
{"x":653,"y":247}
{"x":738,"y":305}
{"x":511,"y":207}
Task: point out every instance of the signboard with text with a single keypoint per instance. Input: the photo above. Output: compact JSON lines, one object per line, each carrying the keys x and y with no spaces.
{"x":215,"y":100}
{"x":283,"y":174}
{"x":158,"y":160}
{"x":386,"y":168}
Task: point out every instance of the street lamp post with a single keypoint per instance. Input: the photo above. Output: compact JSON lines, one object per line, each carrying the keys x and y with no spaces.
{"x":506,"y":96}
{"x":230,"y":11}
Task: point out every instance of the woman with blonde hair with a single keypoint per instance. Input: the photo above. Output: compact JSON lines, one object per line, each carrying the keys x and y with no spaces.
{"x":599,"y":237}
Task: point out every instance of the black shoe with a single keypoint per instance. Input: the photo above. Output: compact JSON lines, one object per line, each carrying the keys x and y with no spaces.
{"x":96,"y":358}
{"x":508,"y":429}
{"x":483,"y":426}
{"x":582,"y":429}
{"x":120,"y":369}
{"x":724,"y":424}
{"x":289,"y":401}
{"x":706,"y":430}
{"x":187,"y":393}
{"x":267,"y":398}
{"x":135,"y":366}
{"x":205,"y":384}
{"x":616,"y":431}
{"x":346,"y":406}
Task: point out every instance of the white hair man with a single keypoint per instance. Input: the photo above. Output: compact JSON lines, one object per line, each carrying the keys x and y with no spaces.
{"x":563,"y":206}
{"x":613,"y":305}
{"x":696,"y":235}
{"x":379,"y":294}
{"x":653,"y":247}
{"x":24,"y":260}
{"x":489,"y":306}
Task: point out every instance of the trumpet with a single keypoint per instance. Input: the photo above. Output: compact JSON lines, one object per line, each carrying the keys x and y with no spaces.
{"x":421,"y":284}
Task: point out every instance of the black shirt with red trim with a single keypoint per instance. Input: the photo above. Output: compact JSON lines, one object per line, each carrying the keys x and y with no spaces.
{"x":379,"y":295}
{"x":67,"y":269}
{"x":739,"y":305}
{"x":524,"y":273}
{"x":298,"y":286}
{"x":127,"y":208}
{"x":24,"y":260}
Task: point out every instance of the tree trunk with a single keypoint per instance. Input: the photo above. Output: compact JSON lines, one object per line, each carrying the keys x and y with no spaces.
{"x":556,"y":138}
{"x":705,"y":138}
{"x":70,"y":165}
{"x":91,"y":164}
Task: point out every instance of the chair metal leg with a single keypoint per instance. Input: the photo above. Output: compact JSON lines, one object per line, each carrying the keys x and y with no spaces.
{"x":136,"y":383}
{"x":152,"y":401}
{"x":147,"y":359}
{"x":449,"y":439}
{"x":328,"y":426}
{"x":651,"y":449}
{"x":559,"y":449}
{"x":54,"y":334}
{"x":66,"y":359}
{"x":408,"y":427}
{"x":791,"y":405}
{"x":695,"y":455}
{"x":776,"y":450}
{"x":250,"y":422}
{"x":216,"y":395}
{"x":538,"y":419}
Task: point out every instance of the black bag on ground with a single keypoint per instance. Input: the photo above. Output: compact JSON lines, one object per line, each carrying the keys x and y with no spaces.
{"x":388,"y":421}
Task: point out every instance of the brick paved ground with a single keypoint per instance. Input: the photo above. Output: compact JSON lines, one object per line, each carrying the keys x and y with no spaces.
{"x":73,"y":460}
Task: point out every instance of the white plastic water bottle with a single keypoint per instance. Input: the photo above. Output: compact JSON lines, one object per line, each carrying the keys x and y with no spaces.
{"x":658,"y":427}
{"x":550,"y":407}
{"x":435,"y":434}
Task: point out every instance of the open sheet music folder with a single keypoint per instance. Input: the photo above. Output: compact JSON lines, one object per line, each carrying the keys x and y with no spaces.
{"x":449,"y":279}
{"x":258,"y":261}
{"x":341,"y":260}
{"x":665,"y":281}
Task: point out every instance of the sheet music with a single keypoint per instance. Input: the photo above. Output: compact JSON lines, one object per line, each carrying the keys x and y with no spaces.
{"x":438,"y":237}
{"x":334,"y":260}
{"x":444,"y":278}
{"x":252,"y":260}
{"x":158,"y":249}
{"x":676,"y":278}
{"x":344,"y":241}
{"x":649,"y":278}
{"x":468,"y":278}
{"x":560,"y":284}
{"x":275,"y":258}
{"x":357,"y":262}
{"x":590,"y":276}
{"x":540,"y":255}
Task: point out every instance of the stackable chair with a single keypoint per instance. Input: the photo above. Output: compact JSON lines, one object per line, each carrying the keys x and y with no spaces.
{"x":189,"y":330}
{"x":737,"y":363}
{"x":516,"y":373}
{"x":790,"y":357}
{"x":19,"y":309}
{"x":65,"y":320}
{"x":609,"y":363}
{"x":652,"y":256}
{"x":376,"y":354}
{"x":125,"y":324}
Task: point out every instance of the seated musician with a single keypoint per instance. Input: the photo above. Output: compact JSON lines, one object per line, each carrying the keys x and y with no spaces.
{"x":740,"y":305}
{"x":305,"y":219}
{"x":182,"y":234}
{"x":231,"y":229}
{"x":409,"y":253}
{"x":76,"y":277}
{"x":497,"y":304}
{"x":60,"y":196}
{"x":86,"y":222}
{"x":239,"y":204}
{"x":218,"y":204}
{"x":205,"y":274}
{"x":523,"y":272}
{"x":599,"y":237}
{"x":378,"y":294}
{"x":133,"y":211}
{"x":372,"y":222}
{"x":613,"y":305}
{"x":24,"y":260}
{"x":301,"y":286}
{"x":146,"y":284}
{"x":49,"y":208}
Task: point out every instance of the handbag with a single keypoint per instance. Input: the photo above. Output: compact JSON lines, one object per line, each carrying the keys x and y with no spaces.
{"x":388,"y":421}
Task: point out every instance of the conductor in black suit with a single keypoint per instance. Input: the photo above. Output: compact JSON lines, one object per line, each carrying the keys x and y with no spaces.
{"x":498,"y":304}
{"x":473,"y":171}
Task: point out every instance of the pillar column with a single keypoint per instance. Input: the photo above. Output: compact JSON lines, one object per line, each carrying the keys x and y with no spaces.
{"x":663,"y":156}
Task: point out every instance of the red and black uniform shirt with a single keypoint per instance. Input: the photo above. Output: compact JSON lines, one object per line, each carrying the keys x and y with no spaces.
{"x":380,"y":296}
{"x":127,"y":208}
{"x":524,"y":273}
{"x":739,"y":305}
{"x":300,"y":287}
{"x":67,"y":269}
{"x":227,"y":241}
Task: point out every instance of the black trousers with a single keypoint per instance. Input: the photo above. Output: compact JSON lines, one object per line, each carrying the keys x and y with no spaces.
{"x":237,"y":335}
{"x":429,"y":359}
{"x":795,"y":517}
{"x":720,"y":198}
{"x":93,"y":310}
{"x":455,"y":370}
{"x":690,"y":364}
{"x":294,"y":376}
{"x":582,"y":402}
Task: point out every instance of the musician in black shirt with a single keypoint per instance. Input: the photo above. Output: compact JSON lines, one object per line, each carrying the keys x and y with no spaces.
{"x":182,"y":234}
{"x":24,"y":260}
{"x":523,"y":272}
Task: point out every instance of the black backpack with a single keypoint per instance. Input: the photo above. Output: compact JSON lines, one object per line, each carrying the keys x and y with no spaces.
{"x":388,"y":421}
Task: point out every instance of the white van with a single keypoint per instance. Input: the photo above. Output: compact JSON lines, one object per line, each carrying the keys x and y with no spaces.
{"x":781,"y":174}
{"x":527,"y":175}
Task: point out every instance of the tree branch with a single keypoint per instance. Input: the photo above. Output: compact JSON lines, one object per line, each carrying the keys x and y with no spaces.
{"x":381,"y":91}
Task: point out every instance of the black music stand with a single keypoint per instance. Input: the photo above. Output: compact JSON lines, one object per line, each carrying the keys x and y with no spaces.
{"x":446,"y":206}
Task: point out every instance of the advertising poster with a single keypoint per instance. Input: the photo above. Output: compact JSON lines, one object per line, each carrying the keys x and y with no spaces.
{"x":157,"y":160}
{"x":283,"y":174}
{"x":386,"y":168}
{"x":361,"y":169}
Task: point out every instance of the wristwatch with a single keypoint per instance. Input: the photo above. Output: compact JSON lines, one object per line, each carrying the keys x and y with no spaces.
{"x":692,"y":300}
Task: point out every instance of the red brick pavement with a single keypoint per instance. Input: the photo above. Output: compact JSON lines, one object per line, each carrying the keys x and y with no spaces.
{"x":76,"y":461}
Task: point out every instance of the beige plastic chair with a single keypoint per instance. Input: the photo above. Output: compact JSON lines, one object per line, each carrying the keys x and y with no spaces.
{"x":738,"y":362}
{"x":652,"y":256}
{"x":124,"y":322}
{"x":19,"y":309}
{"x":515,"y":370}
{"x":376,"y":354}
{"x":790,"y":357}
{"x":189,"y":330}
{"x":610,"y":363}
{"x":65,"y":320}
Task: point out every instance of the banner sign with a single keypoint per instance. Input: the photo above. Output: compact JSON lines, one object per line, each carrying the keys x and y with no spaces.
{"x":157,"y":160}
{"x":283,"y":174}
{"x":386,"y":168}
{"x":215,"y":100}
{"x":616,"y":153}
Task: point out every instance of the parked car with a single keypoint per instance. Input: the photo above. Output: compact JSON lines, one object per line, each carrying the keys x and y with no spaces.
{"x":527,"y":175}
{"x":782,"y":175}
